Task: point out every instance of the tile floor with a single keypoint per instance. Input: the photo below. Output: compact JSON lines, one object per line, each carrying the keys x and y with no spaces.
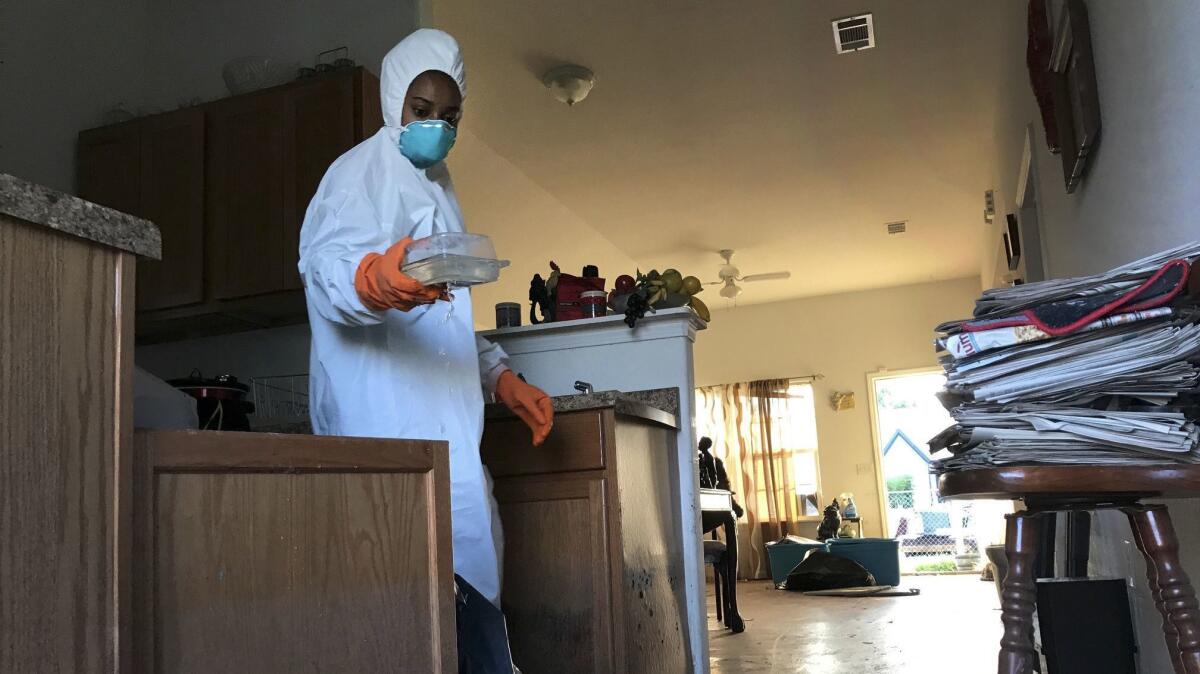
{"x":952,"y":627}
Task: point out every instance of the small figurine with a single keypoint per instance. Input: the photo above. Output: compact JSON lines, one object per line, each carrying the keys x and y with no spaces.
{"x":846,"y":505}
{"x":831,"y":523}
{"x":539,"y":299}
{"x":552,"y":281}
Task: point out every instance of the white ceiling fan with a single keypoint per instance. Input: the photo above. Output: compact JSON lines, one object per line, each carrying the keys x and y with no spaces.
{"x":730,"y":277}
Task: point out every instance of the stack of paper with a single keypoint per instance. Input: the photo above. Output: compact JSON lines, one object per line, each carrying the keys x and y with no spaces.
{"x":1119,"y":390}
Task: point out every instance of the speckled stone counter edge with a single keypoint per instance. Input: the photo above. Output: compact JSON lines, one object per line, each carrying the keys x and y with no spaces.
{"x":69,"y":214}
{"x":661,"y":405}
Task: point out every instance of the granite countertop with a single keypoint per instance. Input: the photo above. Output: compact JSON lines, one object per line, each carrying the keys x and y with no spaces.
{"x":69,"y":214}
{"x":660,"y":405}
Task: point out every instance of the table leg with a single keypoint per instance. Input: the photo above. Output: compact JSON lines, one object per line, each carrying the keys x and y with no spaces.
{"x":1079,"y":531}
{"x":1044,"y":565}
{"x":1018,"y":599}
{"x":718,"y":581}
{"x":1169,"y":583}
{"x":1169,"y":631}
{"x":733,"y":619}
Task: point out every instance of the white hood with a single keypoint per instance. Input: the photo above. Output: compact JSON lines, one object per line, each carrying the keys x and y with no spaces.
{"x":424,"y":50}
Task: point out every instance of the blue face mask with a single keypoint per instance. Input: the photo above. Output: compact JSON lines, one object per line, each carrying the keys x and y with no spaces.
{"x":427,"y":142}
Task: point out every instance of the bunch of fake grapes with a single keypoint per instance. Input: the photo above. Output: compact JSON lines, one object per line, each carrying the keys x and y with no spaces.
{"x":652,"y":287}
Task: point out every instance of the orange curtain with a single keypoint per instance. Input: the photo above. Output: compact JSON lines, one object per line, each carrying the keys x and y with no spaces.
{"x":741,"y":420}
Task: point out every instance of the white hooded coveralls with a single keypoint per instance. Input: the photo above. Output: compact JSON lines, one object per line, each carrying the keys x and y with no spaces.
{"x":419,"y":374}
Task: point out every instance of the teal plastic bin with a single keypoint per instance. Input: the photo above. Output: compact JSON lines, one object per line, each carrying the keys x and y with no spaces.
{"x":785,"y":553}
{"x":880,"y":556}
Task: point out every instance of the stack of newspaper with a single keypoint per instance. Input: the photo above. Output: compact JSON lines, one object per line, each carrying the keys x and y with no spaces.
{"x":1099,"y":370}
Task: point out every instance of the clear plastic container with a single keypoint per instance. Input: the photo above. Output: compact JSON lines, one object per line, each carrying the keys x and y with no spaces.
{"x":453,"y":258}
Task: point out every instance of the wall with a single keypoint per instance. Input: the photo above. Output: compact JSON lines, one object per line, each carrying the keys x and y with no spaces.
{"x":1138,"y":198}
{"x":527,"y":224}
{"x":61,"y":64}
{"x":190,"y":40}
{"x":843,"y":337}
{"x":65,"y":63}
{"x":258,"y":353}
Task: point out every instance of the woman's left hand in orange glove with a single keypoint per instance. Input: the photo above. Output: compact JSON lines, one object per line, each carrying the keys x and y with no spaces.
{"x":528,"y":402}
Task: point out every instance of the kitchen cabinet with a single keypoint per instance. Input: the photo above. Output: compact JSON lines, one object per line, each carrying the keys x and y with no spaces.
{"x":228,"y":182}
{"x":593,"y":577}
{"x":257,"y":552}
{"x":66,"y":365}
{"x":172,"y":197}
{"x":153,"y":168}
{"x":656,"y":359}
{"x":319,"y":123}
{"x":244,"y":196}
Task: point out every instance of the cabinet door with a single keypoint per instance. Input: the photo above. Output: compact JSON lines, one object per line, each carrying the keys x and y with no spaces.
{"x":245,"y":204}
{"x":556,"y":595}
{"x":172,"y":197}
{"x":319,"y":128}
{"x":108,"y":168}
{"x":284,"y":553}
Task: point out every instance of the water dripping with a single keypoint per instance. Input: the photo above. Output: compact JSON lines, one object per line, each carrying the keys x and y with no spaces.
{"x":450,"y":305}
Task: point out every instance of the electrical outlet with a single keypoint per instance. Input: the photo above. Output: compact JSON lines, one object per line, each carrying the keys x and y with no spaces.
{"x":864,"y":468}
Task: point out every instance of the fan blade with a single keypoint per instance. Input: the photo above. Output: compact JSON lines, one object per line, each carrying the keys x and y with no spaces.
{"x":770,"y":276}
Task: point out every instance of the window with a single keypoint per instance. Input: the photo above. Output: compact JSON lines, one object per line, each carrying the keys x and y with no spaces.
{"x":760,"y":429}
{"x":795,"y":427}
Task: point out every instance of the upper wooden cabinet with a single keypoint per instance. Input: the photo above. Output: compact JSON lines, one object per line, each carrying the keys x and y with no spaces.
{"x":228,"y":183}
{"x":245,"y":176}
{"x":319,"y":123}
{"x":172,"y":196}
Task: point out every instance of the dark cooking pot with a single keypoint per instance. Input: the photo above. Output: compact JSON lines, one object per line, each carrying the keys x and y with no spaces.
{"x":220,"y":403}
{"x":224,"y":387}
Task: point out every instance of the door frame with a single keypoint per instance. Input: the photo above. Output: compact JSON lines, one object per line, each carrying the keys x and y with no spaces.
{"x":876,"y":450}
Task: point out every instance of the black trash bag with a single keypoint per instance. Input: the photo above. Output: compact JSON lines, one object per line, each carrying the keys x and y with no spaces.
{"x":826,"y":571}
{"x":482,"y":633}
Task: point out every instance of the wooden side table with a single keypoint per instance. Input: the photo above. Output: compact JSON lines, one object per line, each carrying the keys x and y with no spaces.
{"x":1051,"y":489}
{"x":857,"y":522}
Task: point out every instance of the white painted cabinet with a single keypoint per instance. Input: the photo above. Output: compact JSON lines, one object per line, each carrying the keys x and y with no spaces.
{"x":609,"y":355}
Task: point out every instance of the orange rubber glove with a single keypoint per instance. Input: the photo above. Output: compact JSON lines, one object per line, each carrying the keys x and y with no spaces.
{"x":381,"y":285}
{"x":528,"y":402}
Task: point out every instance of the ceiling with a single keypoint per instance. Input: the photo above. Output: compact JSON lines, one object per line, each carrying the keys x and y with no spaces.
{"x":716,"y":124}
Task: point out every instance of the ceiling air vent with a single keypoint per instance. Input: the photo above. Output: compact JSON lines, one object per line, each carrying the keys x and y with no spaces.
{"x":854,"y":33}
{"x":897,"y":227}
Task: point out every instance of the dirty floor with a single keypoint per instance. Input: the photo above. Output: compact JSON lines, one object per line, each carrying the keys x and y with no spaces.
{"x":952,"y":627}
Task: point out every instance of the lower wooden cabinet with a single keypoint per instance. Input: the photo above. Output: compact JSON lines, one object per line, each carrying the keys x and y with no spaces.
{"x":593,"y":573}
{"x":260,"y":553}
{"x":66,"y":363}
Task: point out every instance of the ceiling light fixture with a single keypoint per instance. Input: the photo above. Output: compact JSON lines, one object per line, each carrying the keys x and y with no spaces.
{"x":569,"y":84}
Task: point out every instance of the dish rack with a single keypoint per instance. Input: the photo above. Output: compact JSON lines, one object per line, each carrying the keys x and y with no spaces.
{"x":281,"y":399}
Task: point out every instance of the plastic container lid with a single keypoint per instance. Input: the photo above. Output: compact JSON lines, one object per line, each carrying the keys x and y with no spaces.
{"x":451,"y":243}
{"x":453,"y":258}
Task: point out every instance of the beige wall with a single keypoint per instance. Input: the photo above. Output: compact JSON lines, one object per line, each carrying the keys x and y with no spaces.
{"x":527,"y":224}
{"x":843,"y":337}
{"x":1138,"y":197}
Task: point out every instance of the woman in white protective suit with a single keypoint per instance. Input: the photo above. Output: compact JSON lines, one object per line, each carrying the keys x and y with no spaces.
{"x":392,"y":358}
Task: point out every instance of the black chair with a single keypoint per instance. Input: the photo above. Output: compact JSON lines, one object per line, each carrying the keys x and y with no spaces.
{"x":714,"y":553}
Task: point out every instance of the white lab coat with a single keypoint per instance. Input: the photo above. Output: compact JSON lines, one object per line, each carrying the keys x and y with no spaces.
{"x":391,"y":374}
